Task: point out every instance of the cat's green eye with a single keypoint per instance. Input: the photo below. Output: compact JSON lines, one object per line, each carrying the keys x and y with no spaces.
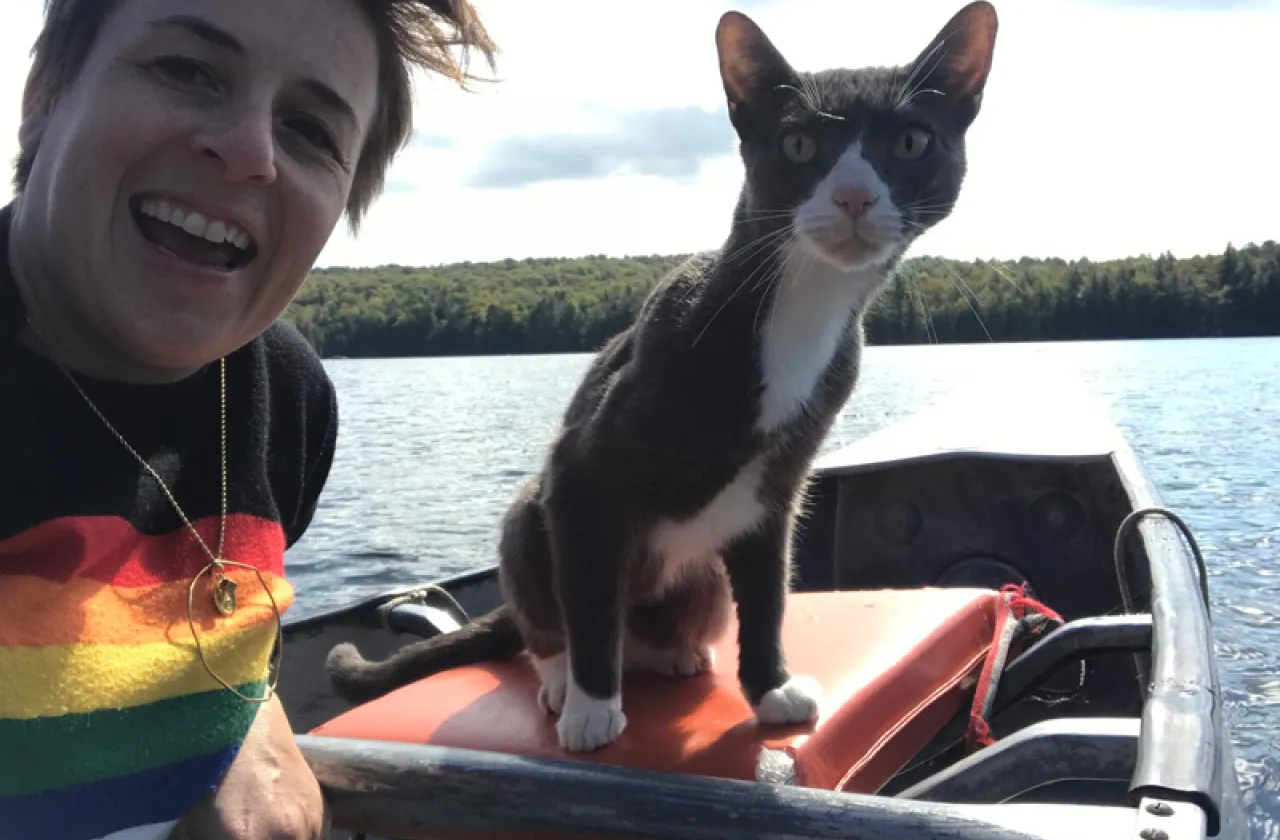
{"x":798,"y":147}
{"x":911,"y":144}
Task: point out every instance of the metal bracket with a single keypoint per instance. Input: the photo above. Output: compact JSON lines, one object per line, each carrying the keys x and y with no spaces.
{"x":1162,"y":819}
{"x":411,"y":613}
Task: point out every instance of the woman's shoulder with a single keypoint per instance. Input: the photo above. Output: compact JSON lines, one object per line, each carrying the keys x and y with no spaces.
{"x":288,"y":350}
{"x":291,"y":367}
{"x":302,"y":419}
{"x":289,"y":382}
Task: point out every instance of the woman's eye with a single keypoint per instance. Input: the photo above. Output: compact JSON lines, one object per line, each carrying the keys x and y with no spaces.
{"x":184,"y":71}
{"x":313,"y":132}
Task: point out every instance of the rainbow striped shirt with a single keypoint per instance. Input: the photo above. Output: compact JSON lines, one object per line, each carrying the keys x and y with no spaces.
{"x":108,"y":719}
{"x":110,"y":726}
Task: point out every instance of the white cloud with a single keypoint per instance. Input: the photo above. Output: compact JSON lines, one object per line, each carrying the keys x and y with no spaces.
{"x":1108,"y":128}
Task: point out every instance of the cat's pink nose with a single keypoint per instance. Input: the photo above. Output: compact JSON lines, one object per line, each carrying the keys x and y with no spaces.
{"x":854,"y":202}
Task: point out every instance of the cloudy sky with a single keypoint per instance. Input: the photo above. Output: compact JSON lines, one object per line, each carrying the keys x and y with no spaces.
{"x":1110,"y":127}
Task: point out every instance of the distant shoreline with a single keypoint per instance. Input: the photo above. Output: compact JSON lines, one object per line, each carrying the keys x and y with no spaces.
{"x":547,"y":306}
{"x":983,"y":343}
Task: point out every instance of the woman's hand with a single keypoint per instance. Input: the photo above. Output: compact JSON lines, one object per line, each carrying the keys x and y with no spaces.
{"x":269,"y":792}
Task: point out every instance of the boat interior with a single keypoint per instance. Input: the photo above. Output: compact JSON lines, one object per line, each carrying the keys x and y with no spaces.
{"x":1010,"y":632}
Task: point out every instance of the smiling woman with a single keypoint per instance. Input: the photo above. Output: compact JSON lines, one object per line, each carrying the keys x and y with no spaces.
{"x":164,"y":437}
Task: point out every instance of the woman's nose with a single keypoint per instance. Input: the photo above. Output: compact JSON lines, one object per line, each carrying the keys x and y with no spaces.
{"x":244,"y":143}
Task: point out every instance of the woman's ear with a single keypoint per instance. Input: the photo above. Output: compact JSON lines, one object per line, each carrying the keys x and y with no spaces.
{"x":37,"y":106}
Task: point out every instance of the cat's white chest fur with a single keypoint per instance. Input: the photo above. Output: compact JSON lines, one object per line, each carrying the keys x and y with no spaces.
{"x":804,"y":328}
{"x":805,"y":325}
{"x":735,"y":510}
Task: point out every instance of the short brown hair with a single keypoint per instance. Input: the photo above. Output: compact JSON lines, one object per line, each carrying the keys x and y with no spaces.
{"x":410,"y":33}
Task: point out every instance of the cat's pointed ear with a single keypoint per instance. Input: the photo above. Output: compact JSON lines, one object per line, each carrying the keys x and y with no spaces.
{"x":958,"y":60}
{"x":750,"y":66}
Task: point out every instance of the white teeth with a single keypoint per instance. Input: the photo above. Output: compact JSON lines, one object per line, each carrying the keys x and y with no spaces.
{"x":196,"y":224}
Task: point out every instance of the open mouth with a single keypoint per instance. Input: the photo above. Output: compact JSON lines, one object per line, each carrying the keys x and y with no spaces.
{"x":190,"y":236}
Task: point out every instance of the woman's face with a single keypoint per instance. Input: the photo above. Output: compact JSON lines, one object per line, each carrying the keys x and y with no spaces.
{"x":189,"y":177}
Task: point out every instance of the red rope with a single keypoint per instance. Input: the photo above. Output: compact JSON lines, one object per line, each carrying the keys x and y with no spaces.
{"x":1015,"y":606}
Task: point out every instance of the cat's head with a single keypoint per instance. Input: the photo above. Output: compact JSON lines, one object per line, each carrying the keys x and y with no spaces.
{"x":862,"y":161}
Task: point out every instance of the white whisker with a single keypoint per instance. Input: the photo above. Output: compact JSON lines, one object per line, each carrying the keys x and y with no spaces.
{"x":972,"y":309}
{"x":930,"y":333}
{"x":772,"y":258}
{"x":905,"y":97}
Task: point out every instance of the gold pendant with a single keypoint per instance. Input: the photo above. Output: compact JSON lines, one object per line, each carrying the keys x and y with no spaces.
{"x":224,"y":592}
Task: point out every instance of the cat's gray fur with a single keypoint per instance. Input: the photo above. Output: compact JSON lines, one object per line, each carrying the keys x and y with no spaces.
{"x":671,"y":490}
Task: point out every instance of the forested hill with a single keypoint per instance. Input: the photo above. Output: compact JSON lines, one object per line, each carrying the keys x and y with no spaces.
{"x":569,"y":305}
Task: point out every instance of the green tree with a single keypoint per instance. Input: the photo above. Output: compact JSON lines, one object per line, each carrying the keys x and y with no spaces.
{"x":575,"y":305}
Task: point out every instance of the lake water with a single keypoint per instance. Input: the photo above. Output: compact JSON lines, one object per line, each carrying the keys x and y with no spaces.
{"x":431,"y":450}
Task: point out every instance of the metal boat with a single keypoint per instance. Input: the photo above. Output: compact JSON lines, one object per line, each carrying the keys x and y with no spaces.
{"x":1108,"y":724}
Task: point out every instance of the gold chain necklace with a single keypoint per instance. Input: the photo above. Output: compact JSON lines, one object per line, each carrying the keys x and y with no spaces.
{"x":224,"y":588}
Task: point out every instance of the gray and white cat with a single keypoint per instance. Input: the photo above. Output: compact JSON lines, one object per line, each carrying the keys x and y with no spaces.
{"x":672,"y":488}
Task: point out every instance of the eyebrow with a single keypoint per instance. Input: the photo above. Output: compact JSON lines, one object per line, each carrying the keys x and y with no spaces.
{"x":223,"y":40}
{"x":331,"y":100}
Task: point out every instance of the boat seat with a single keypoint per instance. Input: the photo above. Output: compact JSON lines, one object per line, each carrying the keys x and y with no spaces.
{"x":894,"y":666}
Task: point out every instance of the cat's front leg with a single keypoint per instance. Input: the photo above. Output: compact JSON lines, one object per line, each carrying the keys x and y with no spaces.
{"x":759,"y":567}
{"x":591,"y":555}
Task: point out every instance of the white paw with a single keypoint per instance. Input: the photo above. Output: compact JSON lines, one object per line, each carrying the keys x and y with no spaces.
{"x":588,"y":723}
{"x":795,"y":701}
{"x":554,"y":674}
{"x":670,"y":663}
{"x":590,"y":730}
{"x":688,"y":663}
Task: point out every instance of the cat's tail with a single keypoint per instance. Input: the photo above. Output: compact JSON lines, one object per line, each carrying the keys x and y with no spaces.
{"x":493,"y":635}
